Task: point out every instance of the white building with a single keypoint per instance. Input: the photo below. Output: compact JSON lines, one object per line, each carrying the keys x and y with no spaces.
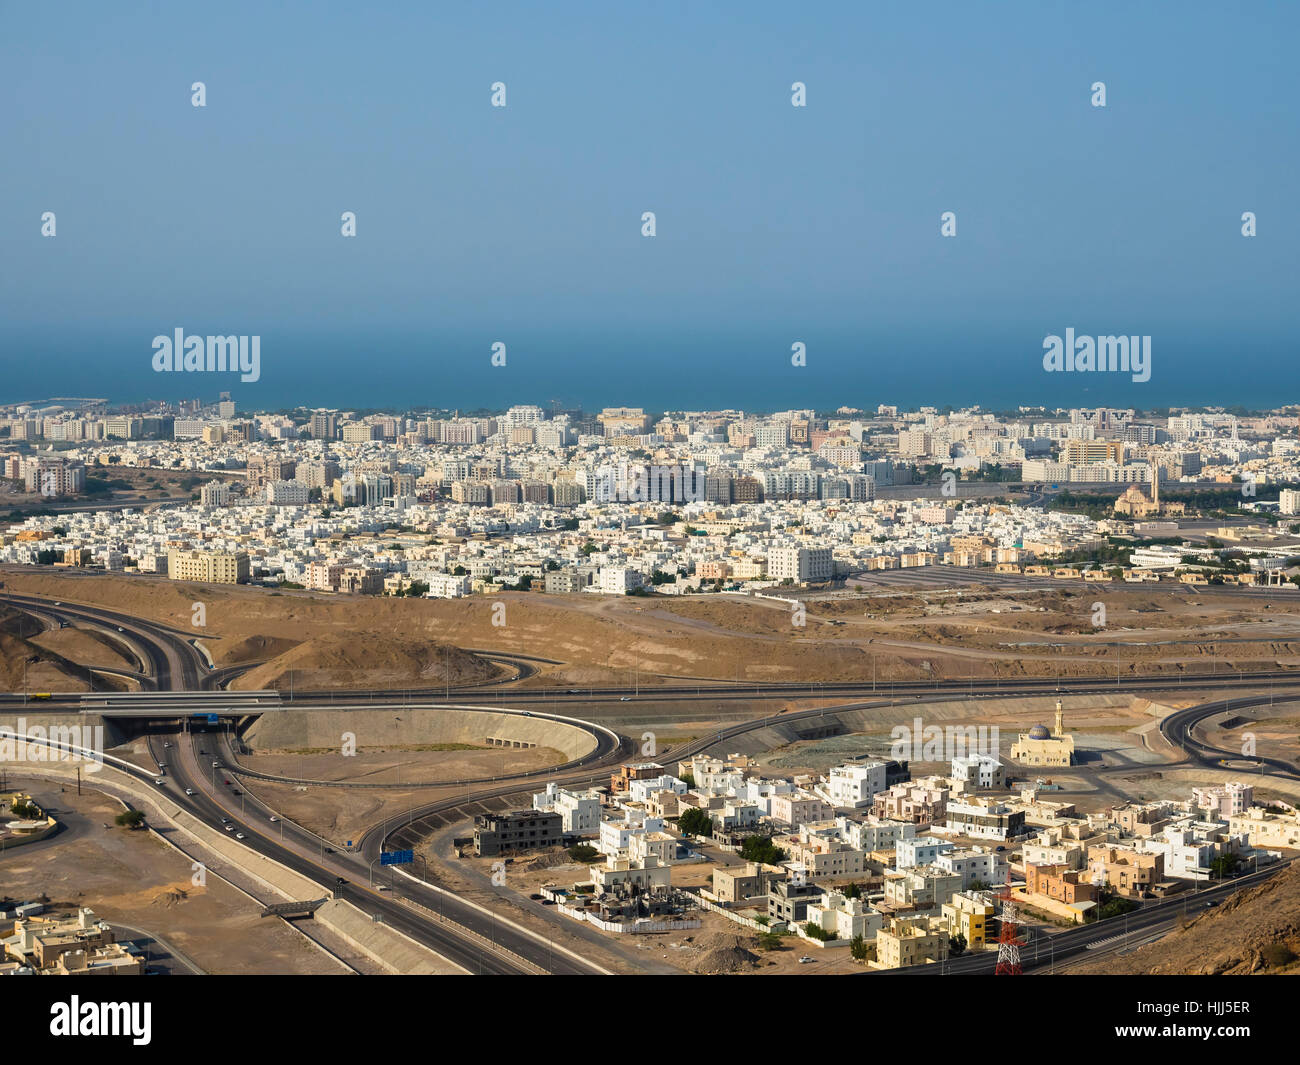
{"x":875,"y":834}
{"x":920,"y":850}
{"x":984,"y":819}
{"x":447,"y":586}
{"x":979,"y":771}
{"x":846,"y":918}
{"x":641,"y":790}
{"x":615,"y":836}
{"x":286,"y":493}
{"x":1223,"y":801}
{"x":617,"y":580}
{"x":801,"y":565}
{"x":579,"y":810}
{"x":854,"y":785}
{"x":1188,"y":854}
{"x":974,"y":865}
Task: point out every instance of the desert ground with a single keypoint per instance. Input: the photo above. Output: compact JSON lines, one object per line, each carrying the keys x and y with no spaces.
{"x":312,"y":640}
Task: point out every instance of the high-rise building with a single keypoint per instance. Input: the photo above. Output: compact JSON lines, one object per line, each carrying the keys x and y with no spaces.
{"x":324,"y":425}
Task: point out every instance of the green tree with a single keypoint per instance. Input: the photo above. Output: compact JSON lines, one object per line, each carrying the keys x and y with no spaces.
{"x":695,"y":822}
{"x":858,"y":948}
{"x":761,"y":849}
{"x":130,"y":818}
{"x":1224,"y":866}
{"x":816,"y":931}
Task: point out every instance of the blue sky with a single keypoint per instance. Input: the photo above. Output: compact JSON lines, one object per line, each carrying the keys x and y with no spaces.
{"x":775,"y":223}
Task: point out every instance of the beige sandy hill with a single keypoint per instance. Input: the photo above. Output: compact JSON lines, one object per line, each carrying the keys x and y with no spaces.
{"x":256,"y":649}
{"x":88,"y":646}
{"x":612,"y":639}
{"x":364,"y":660}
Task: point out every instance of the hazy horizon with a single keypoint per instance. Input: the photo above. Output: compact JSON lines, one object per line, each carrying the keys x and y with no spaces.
{"x":775,"y":224}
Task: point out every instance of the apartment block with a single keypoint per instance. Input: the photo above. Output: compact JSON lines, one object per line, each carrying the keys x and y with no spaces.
{"x":517,"y":830}
{"x":211,"y":567}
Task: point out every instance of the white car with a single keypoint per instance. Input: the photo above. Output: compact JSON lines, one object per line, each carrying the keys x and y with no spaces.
{"x":159,"y":781}
{"x":274,"y":818}
{"x":189,"y":791}
{"x":239,"y":835}
{"x":216,"y":765}
{"x":625,"y":698}
{"x":230,"y":827}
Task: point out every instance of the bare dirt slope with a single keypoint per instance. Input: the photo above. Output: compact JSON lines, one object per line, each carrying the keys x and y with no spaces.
{"x":336,"y":660}
{"x":598,"y":639}
{"x":27,"y":666}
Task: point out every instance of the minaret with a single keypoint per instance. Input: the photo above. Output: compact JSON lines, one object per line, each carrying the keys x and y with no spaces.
{"x":1155,"y":484}
{"x":1060,"y":720}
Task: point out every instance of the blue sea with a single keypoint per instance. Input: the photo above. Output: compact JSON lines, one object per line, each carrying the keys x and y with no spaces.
{"x":746,"y":367}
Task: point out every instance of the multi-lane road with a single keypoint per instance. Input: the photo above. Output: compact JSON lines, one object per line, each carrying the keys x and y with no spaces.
{"x":476,"y":939}
{"x":347,"y":875}
{"x":168,"y":659}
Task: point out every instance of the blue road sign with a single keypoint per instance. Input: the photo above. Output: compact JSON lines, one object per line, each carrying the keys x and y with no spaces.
{"x":396,"y":857}
{"x":213,"y":719}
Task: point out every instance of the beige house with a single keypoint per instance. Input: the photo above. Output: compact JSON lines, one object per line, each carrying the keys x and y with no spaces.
{"x":1267,"y":829}
{"x":911,"y":941}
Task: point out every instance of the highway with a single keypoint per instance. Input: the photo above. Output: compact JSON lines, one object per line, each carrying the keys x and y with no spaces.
{"x":952,"y":688}
{"x":165,"y":655}
{"x":307,"y":854}
{"x":169,"y":657}
{"x":472,"y":939}
{"x":477,"y":940}
{"x":1179,"y":728}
